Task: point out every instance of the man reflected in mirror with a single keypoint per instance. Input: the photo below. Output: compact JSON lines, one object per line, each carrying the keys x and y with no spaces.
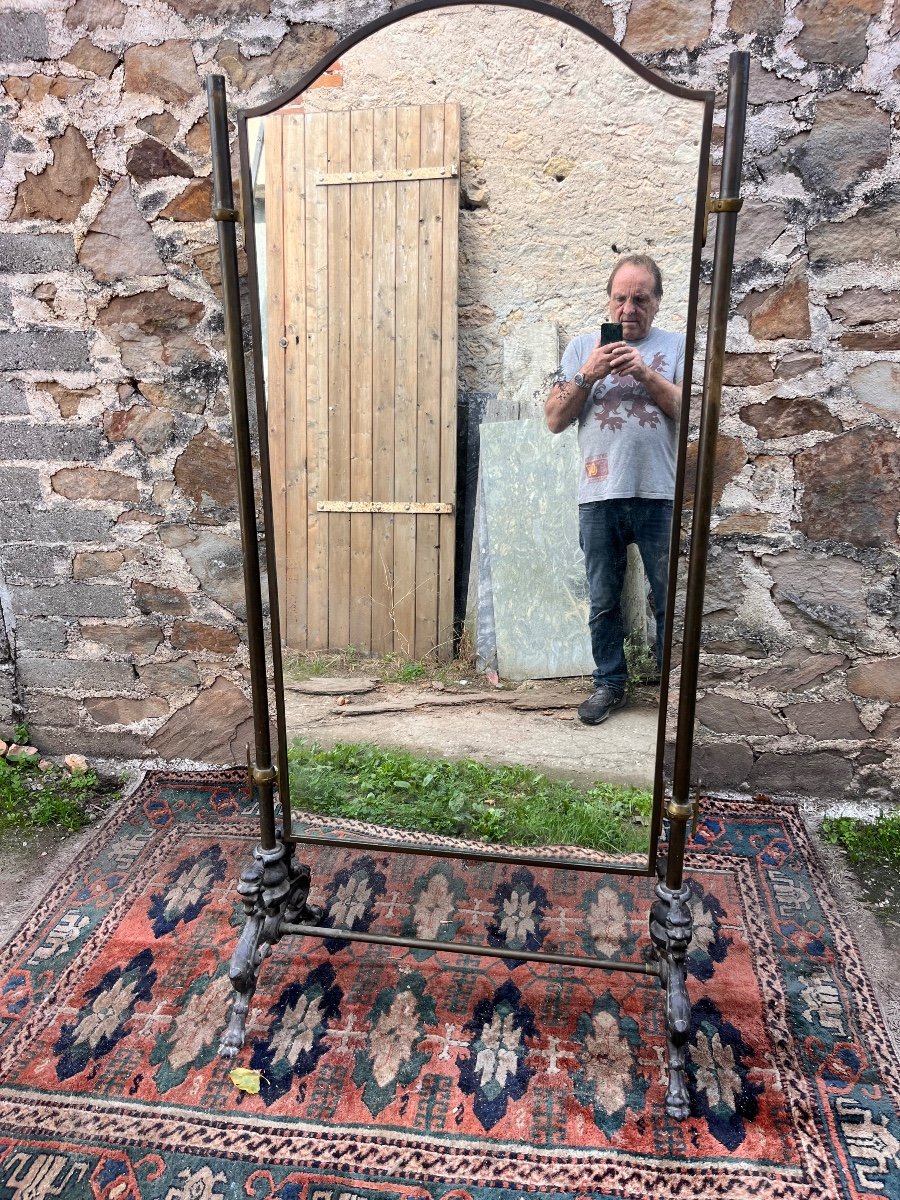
{"x":625,"y":396}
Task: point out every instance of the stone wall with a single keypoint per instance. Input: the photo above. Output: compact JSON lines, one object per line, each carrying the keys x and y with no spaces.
{"x":121,"y":554}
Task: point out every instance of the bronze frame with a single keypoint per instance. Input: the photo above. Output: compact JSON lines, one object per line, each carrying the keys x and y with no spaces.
{"x":275,"y":888}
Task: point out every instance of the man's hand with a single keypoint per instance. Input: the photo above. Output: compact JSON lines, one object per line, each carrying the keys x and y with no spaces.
{"x":599,"y":363}
{"x":626,"y":360}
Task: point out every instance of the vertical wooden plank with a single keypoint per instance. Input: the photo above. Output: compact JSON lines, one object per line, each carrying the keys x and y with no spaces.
{"x":293,"y":595}
{"x":384,"y":201}
{"x":275,"y":316}
{"x":316,"y":154}
{"x":360,"y":396}
{"x":405,"y":390}
{"x":339,"y":394}
{"x":429,"y":379}
{"x":449,"y":400}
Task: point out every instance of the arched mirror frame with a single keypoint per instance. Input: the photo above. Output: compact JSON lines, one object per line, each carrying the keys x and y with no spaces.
{"x":275,"y":888}
{"x":705,"y":102}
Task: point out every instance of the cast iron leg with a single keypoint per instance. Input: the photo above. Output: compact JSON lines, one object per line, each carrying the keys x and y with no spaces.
{"x":671,"y":929}
{"x":273,"y":890}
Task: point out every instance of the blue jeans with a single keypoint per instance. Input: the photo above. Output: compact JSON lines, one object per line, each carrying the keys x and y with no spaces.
{"x":606,"y":528}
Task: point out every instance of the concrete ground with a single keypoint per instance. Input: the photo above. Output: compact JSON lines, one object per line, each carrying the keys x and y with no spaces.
{"x":549,"y":739}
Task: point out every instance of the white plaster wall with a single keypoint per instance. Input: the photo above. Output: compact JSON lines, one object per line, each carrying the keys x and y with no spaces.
{"x":539,"y":99}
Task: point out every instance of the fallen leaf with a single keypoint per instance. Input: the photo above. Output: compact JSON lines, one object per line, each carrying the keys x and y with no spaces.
{"x":245,"y":1079}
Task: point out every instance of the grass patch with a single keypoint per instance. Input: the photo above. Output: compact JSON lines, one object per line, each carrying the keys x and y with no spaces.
{"x":867,"y":842}
{"x":34,"y":799}
{"x":511,"y":805}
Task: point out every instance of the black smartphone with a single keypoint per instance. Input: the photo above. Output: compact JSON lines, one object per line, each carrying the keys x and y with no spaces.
{"x":610,"y":331}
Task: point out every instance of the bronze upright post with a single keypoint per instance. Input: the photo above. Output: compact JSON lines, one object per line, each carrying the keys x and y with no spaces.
{"x":274,"y":888}
{"x":727,"y":207}
{"x":671,"y":923}
{"x":262,"y":773}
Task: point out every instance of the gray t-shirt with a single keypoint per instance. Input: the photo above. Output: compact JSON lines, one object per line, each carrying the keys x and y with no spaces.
{"x":627,"y":442}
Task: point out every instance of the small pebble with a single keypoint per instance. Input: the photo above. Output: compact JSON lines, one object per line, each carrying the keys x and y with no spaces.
{"x":76,"y":763}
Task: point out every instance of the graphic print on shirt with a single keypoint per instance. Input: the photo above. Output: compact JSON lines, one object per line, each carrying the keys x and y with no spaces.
{"x":626,"y":398}
{"x":597,"y":467}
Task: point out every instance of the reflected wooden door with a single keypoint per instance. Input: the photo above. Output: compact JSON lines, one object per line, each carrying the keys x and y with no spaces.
{"x":362,"y":216}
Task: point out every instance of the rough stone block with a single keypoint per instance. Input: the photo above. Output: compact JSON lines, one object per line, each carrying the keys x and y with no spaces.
{"x":873,"y":231}
{"x":825,"y":774}
{"x":864,"y":306}
{"x":657,"y":25}
{"x":197,"y":636}
{"x":36,"y":635}
{"x":877,"y":386}
{"x":168,"y":71}
{"x":19,"y":484}
{"x":88,"y":483}
{"x":120,"y":243}
{"x":724,"y":714}
{"x":217,"y":561}
{"x":825,"y":589}
{"x":724,"y":766}
{"x":48,"y":443}
{"x":47,"y":350}
{"x":781,"y":417}
{"x":125,"y":712}
{"x":799,"y":670}
{"x":30,"y":253}
{"x":80,"y":675}
{"x":746,"y":370}
{"x":205,"y":471}
{"x":167,"y":677}
{"x":69,"y":600}
{"x":151,"y":598}
{"x":61,"y":524}
{"x":95,"y":744}
{"x":140,"y":638}
{"x":91,"y":563}
{"x":24,"y":36}
{"x":30,"y":564}
{"x":797,"y":362}
{"x":850,"y":488}
{"x":96,"y":14}
{"x":834,"y":33}
{"x":828,"y":720}
{"x":782,"y":311}
{"x":876,"y":680}
{"x":12,"y":398}
{"x":60,"y":190}
{"x":46,"y":709}
{"x":212,"y":728}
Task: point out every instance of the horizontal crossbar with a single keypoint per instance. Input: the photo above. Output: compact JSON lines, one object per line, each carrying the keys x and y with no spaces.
{"x":386,"y":939}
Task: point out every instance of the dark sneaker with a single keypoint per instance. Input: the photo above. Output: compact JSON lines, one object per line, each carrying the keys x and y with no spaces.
{"x":598,"y":706}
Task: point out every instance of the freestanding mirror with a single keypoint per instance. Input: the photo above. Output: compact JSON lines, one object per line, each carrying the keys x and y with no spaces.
{"x":417,"y":238}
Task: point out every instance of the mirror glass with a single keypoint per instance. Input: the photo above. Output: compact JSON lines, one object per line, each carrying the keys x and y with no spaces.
{"x":436,"y":219}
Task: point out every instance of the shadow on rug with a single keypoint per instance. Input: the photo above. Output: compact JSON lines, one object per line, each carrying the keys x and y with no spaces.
{"x":389,"y":1074}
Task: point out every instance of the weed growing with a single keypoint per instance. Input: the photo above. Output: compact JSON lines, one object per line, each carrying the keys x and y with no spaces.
{"x":388,"y":668}
{"x":867,"y":842}
{"x":510,"y":805}
{"x":32,"y":798}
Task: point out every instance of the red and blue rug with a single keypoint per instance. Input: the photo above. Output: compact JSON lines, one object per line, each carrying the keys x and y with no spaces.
{"x":393,"y":1075}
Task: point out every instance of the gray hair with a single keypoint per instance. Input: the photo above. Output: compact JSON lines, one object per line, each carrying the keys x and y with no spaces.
{"x":638,"y":260}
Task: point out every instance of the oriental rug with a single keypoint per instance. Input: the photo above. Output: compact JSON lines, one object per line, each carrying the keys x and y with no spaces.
{"x":395,"y":1075}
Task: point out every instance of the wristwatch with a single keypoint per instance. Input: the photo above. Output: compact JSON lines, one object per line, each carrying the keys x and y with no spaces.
{"x":579,"y":380}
